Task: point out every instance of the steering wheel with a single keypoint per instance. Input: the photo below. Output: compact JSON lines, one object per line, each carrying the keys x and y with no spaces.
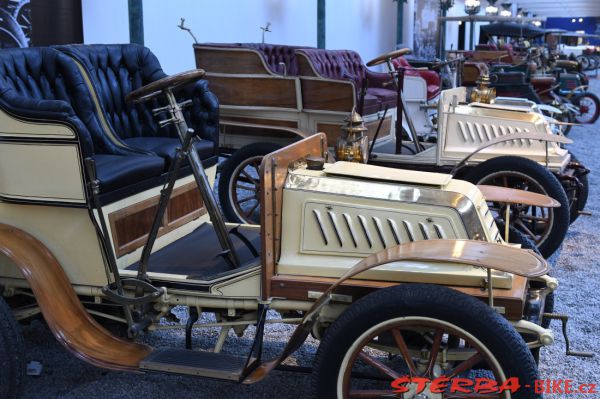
{"x":153,"y":89}
{"x":391,"y":55}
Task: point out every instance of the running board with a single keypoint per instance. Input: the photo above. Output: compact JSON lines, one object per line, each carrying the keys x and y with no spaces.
{"x":202,"y":364}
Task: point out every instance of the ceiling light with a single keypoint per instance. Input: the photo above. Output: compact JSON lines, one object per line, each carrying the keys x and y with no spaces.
{"x":580,"y":19}
{"x":506,"y":10}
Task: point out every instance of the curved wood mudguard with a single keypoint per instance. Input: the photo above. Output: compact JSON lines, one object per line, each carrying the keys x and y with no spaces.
{"x":475,"y":253}
{"x":513,"y":196}
{"x":71,"y":325}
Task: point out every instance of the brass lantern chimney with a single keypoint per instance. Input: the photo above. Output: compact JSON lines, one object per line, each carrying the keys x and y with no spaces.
{"x":353,"y":145}
{"x":483,"y":93}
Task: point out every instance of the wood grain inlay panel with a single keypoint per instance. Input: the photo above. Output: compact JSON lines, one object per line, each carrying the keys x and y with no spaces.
{"x":254,"y":91}
{"x":130,"y":225}
{"x":229,"y":61}
{"x":327,"y":95}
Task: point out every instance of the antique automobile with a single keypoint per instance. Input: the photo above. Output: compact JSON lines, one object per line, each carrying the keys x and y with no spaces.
{"x":366,"y":259}
{"x":500,"y":144}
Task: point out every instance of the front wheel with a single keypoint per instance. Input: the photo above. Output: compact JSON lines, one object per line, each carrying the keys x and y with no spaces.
{"x":239,"y":183}
{"x":423,"y":331}
{"x":547,"y":227}
{"x":12,"y":354}
{"x":589,"y":107}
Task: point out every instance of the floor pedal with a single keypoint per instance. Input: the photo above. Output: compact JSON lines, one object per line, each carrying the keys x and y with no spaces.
{"x":203,"y":364}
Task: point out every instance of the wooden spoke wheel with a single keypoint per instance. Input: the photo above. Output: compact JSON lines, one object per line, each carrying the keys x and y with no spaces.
{"x":417,"y":347}
{"x":546,"y":227}
{"x":244,"y":189}
{"x":589,"y":107}
{"x":535,"y":222}
{"x":403,"y":341}
{"x":239,"y":183}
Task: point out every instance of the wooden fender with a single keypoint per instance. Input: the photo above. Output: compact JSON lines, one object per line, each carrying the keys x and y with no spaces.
{"x":68,"y":320}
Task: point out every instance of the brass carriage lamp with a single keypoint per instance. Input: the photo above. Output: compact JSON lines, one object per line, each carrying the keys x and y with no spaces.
{"x":483,"y":93}
{"x":353,"y":145}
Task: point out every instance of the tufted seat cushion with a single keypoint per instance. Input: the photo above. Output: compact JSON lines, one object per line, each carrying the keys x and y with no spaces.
{"x":275,"y":54}
{"x":432,"y":79}
{"x":347,"y":65}
{"x":44,"y":84}
{"x":115,"y":171}
{"x":118,"y":69}
{"x":166,"y":147}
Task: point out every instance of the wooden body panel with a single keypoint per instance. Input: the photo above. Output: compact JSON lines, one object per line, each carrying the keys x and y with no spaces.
{"x":130,"y":225}
{"x":233,"y":60}
{"x":274,"y":169}
{"x":328,"y":95}
{"x":254,"y":90}
{"x":298,"y":287}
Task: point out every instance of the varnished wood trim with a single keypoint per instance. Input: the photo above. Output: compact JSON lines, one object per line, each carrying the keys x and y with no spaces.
{"x":305,"y":67}
{"x":297,"y":288}
{"x":327,"y":94}
{"x":129,"y":226}
{"x":69,"y":322}
{"x":261,"y":121}
{"x":230,"y":60}
{"x":254,"y":91}
{"x":274,"y":170}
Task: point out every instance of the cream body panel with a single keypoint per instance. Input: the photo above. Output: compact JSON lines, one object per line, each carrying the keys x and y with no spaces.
{"x":48,"y":172}
{"x":304,"y":251}
{"x":463,"y":128}
{"x":67,"y":232}
{"x":372,"y":172}
{"x":13,"y":127}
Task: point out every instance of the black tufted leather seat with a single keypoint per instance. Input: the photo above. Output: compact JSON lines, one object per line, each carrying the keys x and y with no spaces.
{"x":44,"y":84}
{"x":118,"y":69}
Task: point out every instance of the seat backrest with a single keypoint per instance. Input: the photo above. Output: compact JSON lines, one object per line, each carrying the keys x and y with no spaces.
{"x":336,"y":64}
{"x":40,"y":82}
{"x":116,"y":70}
{"x":275,"y":54}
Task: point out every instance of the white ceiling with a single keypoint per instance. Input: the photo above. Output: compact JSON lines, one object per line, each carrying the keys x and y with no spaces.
{"x":558,"y":8}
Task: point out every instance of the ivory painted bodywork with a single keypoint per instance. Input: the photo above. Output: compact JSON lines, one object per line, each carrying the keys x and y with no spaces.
{"x":333,"y":220}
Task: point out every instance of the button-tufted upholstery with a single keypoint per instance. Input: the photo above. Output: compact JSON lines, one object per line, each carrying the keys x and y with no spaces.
{"x":118,"y":69}
{"x":431,"y":77}
{"x":44,"y":84}
{"x":347,"y":65}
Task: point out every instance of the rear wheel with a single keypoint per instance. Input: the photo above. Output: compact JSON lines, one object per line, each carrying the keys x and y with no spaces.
{"x":547,"y":227}
{"x":422,"y":331}
{"x":589,"y":107}
{"x":12,"y":354}
{"x":239,"y":183}
{"x":578,"y":196}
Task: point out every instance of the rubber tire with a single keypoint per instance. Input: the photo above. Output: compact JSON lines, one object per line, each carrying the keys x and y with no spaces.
{"x":575,"y":100}
{"x":583,"y":194}
{"x":12,"y":354}
{"x":227,"y":169}
{"x":517,"y":237}
{"x":426,"y":300}
{"x":546,"y":179}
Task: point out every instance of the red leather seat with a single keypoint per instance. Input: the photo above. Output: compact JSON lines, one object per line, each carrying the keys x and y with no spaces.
{"x":431,"y":77}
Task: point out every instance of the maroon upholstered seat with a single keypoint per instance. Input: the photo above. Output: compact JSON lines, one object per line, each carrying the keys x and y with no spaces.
{"x":348,"y":65}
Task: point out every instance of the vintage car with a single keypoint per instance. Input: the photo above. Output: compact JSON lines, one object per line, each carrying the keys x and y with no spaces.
{"x":95,"y":226}
{"x":506,"y":143}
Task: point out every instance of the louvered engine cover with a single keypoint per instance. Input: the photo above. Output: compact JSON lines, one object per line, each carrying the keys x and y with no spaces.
{"x":330,"y":222}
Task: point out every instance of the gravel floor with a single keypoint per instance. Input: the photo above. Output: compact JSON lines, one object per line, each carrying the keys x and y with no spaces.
{"x":64,"y":376}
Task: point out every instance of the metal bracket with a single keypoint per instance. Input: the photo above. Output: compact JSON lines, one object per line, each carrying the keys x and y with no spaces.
{"x":564,"y":319}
